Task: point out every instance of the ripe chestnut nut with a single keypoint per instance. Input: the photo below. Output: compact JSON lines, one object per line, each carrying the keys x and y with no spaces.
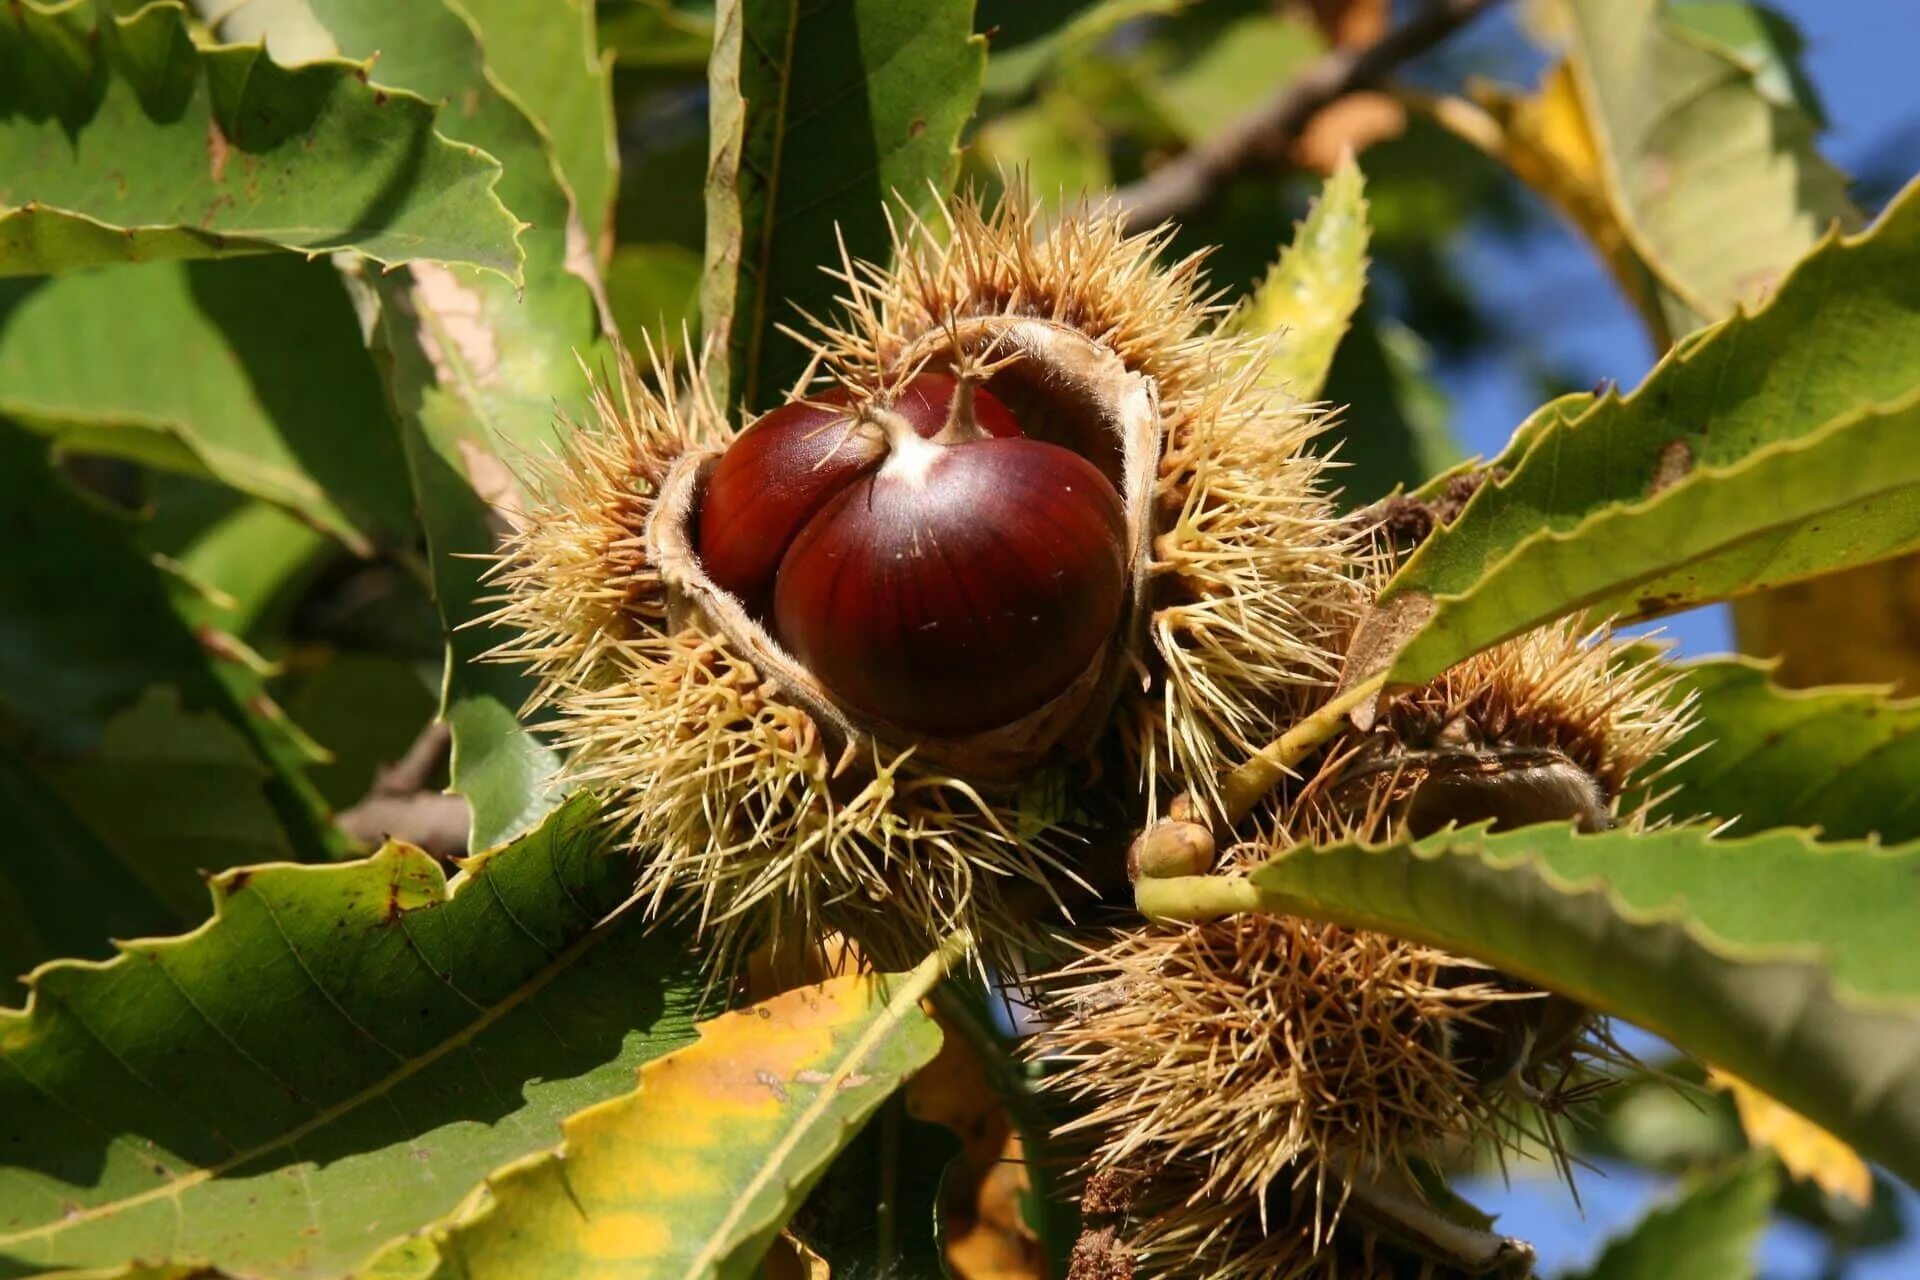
{"x":927,"y":563}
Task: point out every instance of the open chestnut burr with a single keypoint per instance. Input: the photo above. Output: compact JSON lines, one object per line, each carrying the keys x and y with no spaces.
{"x":932,"y":566}
{"x":951,"y":561}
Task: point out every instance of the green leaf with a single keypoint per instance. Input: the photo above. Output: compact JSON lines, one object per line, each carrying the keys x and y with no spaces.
{"x":122,"y":141}
{"x":1311,"y":293}
{"x":1774,"y":447}
{"x":1715,"y":182}
{"x":550,"y":65}
{"x":1707,"y":1232}
{"x":695,"y":1172}
{"x":62,"y":890}
{"x":1227,"y":79}
{"x":332,"y":1062}
{"x":822,"y":114}
{"x":1839,"y":759}
{"x":1027,"y":40}
{"x":1763,"y":41}
{"x":248,"y":561}
{"x":253,"y":372}
{"x":1393,"y":425}
{"x":173,"y":794}
{"x":1663,"y":1118}
{"x":1057,"y":143}
{"x":475,"y":372}
{"x":85,"y":621}
{"x":366,"y":709}
{"x":1788,"y":962}
{"x":101,"y":675}
{"x":655,"y":33}
{"x":504,"y":771}
{"x":654,"y":290}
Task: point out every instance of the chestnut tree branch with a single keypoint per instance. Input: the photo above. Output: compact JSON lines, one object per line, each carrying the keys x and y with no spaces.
{"x":1186,"y":182}
{"x":404,"y":803}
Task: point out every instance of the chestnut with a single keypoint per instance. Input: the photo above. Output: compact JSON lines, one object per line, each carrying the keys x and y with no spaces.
{"x":787,"y":465}
{"x":928,"y":564}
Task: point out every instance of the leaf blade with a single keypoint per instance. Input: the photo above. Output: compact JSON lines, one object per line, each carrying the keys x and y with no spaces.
{"x":477,"y":372}
{"x":1839,"y":759}
{"x":1640,"y":504}
{"x":1312,"y":292}
{"x":200,"y":152}
{"x":329,"y":1052}
{"x":1786,"y":961}
{"x":792,"y":1078}
{"x":255,"y":368}
{"x":1707,"y":1232}
{"x":1690,"y":146}
{"x":819,"y":117}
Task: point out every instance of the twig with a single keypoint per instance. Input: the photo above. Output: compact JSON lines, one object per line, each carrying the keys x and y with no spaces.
{"x":404,"y":803}
{"x":1168,"y":857}
{"x":1249,"y":784}
{"x":1186,"y":182}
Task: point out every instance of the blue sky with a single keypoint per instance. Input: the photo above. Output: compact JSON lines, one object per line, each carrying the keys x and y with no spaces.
{"x":1860,"y":56}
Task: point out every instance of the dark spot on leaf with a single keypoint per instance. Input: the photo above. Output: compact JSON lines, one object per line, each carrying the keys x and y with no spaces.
{"x":379,"y":97}
{"x":918,"y":127}
{"x":238,"y":880}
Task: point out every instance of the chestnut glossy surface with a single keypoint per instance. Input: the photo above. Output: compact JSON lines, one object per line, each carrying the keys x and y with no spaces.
{"x":958,"y":587}
{"x":770,"y":482}
{"x":791,"y":461}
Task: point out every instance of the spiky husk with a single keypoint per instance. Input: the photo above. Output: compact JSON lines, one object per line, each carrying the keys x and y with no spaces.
{"x":743,"y":807}
{"x":1254,"y":578}
{"x":1259,"y":1054}
{"x":1553,"y":699}
{"x":1172,"y":1231}
{"x":738,"y":810}
{"x":1263,"y":1049}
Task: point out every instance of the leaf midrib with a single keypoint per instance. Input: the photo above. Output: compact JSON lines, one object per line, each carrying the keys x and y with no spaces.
{"x":1617,"y":510}
{"x":319,"y":1120}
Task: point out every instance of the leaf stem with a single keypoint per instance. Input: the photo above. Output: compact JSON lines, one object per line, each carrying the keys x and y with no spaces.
{"x":1248,"y":785}
{"x":1194,"y":897}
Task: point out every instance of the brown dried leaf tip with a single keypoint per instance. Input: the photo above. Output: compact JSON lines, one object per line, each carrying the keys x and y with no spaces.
{"x":821,"y":669}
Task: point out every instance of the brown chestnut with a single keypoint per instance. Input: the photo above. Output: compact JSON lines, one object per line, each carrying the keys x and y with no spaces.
{"x":930,"y":566}
{"x":786,"y":466}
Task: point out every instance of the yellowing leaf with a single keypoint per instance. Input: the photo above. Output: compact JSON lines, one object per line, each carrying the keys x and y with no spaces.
{"x":1544,"y":137}
{"x":695,"y":1172}
{"x":1718,"y":186}
{"x":1310,"y":295}
{"x":1807,"y":1150}
{"x":1845,"y":628}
